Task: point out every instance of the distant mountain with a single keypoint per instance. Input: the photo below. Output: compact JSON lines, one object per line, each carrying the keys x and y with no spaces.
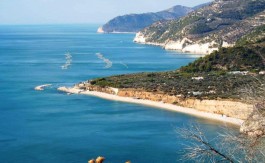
{"x":220,"y":24}
{"x":136,"y":22}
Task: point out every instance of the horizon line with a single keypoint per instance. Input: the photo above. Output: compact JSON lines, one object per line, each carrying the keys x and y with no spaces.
{"x":7,"y":24}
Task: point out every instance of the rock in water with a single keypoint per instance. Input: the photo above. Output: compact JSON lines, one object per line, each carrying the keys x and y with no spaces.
{"x":91,"y":161}
{"x":100,"y":159}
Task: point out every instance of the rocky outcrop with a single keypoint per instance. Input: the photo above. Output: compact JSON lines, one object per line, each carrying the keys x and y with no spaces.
{"x":98,"y":160}
{"x":185,"y":45}
{"x":255,"y":124}
{"x":140,"y":38}
{"x":101,"y":160}
{"x":88,"y":87}
{"x":100,"y":30}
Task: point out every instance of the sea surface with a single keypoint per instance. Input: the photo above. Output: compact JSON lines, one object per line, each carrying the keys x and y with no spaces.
{"x":53,"y":127}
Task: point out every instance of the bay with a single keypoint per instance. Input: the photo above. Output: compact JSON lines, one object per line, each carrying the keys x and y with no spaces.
{"x":52,"y":127}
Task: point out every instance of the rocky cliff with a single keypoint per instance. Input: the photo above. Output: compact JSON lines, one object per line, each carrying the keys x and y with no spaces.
{"x":227,"y":108}
{"x":224,"y":107}
{"x":255,"y":124}
{"x":220,"y":24}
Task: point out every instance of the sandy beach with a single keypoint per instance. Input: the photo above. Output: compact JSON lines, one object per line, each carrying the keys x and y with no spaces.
{"x":155,"y":104}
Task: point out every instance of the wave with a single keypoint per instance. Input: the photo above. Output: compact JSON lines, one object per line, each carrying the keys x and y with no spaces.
{"x":68,"y":62}
{"x":105,"y":60}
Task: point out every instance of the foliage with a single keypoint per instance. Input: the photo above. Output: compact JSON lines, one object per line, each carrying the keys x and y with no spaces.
{"x":256,"y":36}
{"x":200,"y":28}
{"x":217,"y":82}
{"x":240,"y":58}
{"x":210,"y":23}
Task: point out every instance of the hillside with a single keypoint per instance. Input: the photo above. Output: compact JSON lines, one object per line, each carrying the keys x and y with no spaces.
{"x":220,"y":24}
{"x":136,"y":22}
{"x":241,"y":58}
{"x":220,"y":75}
{"x":247,"y":55}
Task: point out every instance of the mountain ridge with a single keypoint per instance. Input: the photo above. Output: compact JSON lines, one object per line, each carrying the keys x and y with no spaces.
{"x":136,"y":22}
{"x":132,"y":23}
{"x":220,"y":24}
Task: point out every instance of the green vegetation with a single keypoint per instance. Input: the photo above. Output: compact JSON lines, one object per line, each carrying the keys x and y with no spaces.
{"x":200,"y":28}
{"x":214,"y":85}
{"x":213,"y":71}
{"x":256,"y":36}
{"x":221,"y":21}
{"x":239,"y":58}
{"x":211,"y":77}
{"x":247,"y":55}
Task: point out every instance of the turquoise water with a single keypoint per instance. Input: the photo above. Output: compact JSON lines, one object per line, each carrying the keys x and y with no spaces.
{"x":52,"y":127}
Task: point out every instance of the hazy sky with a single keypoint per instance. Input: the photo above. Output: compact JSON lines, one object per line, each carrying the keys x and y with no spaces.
{"x":79,"y":11}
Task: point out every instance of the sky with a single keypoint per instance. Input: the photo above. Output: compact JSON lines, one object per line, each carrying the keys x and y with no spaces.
{"x":79,"y":11}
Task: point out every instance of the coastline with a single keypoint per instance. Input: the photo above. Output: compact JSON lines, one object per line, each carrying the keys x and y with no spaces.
{"x":184,"y":45}
{"x":155,"y":104}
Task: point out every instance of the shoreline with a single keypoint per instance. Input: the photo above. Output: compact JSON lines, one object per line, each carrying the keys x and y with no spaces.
{"x":155,"y":104}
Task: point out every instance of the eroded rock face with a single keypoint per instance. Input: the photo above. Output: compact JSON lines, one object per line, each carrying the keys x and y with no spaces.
{"x":223,"y":107}
{"x":255,"y":124}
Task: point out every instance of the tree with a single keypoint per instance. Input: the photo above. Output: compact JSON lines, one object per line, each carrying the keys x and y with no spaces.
{"x":227,"y":147}
{"x":247,"y":146}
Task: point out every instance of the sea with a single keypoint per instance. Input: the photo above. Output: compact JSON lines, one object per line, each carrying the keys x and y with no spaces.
{"x":52,"y":127}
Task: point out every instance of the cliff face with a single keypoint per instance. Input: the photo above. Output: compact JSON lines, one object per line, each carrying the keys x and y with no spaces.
{"x":255,"y":124}
{"x":223,"y":107}
{"x":136,"y":22}
{"x":220,"y":24}
{"x":227,"y":108}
